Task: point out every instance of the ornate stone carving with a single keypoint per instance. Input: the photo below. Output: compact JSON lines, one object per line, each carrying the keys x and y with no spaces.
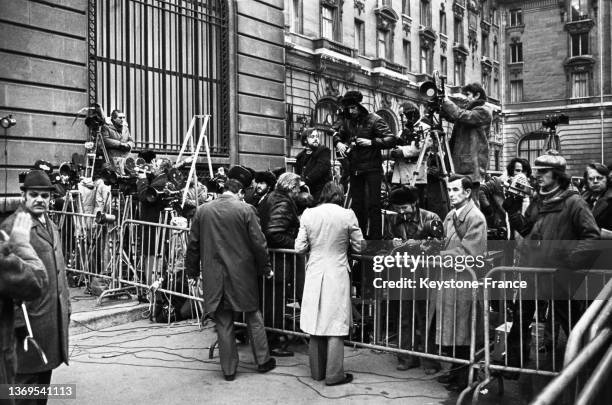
{"x":359,"y":5}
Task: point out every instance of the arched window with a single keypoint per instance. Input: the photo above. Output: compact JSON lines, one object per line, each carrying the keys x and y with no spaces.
{"x":161,"y":63}
{"x":326,"y":113}
{"x":532,"y":145}
{"x":389,"y":119}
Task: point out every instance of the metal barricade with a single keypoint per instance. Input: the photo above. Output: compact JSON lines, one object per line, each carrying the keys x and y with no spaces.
{"x":438,"y":326}
{"x":87,"y":247}
{"x":531,"y":319}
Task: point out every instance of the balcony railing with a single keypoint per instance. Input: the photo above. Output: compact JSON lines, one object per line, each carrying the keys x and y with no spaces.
{"x":324,"y":43}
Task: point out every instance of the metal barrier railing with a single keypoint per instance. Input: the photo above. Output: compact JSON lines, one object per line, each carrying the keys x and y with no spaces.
{"x":537,"y":318}
{"x":588,"y":351}
{"x":87,"y":247}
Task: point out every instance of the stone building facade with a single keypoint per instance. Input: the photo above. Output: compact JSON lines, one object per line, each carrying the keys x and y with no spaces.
{"x":385,"y":49}
{"x":558,"y":61}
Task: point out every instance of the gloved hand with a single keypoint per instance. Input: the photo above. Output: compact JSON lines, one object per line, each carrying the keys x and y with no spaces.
{"x":125,"y":146}
{"x":512,"y":204}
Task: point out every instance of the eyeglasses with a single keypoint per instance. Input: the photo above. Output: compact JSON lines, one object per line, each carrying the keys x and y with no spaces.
{"x":542,"y":171}
{"x":313,"y":135}
{"x":36,"y":194}
{"x":598,"y":178}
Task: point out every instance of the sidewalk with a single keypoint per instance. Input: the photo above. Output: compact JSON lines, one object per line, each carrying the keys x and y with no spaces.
{"x":149,"y":363}
{"x":139,"y":362}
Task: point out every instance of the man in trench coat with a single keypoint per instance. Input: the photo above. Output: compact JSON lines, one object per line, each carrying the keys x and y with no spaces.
{"x":50,"y":314}
{"x":227,"y":238}
{"x":465,"y":229}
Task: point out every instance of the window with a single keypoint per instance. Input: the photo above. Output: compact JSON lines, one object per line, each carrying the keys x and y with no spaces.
{"x":486,"y":82}
{"x":580,"y":84}
{"x":326,"y":113}
{"x":327,"y":22}
{"x":406,"y":7}
{"x":385,"y":49}
{"x":580,"y":44}
{"x":516,"y":52}
{"x":486,"y":10}
{"x":495,"y":16}
{"x":442,"y":22}
{"x":296,"y":19}
{"x":381,"y":44}
{"x":532,"y":145}
{"x":360,"y":37}
{"x":407,"y":47}
{"x":516,"y":17}
{"x":458,"y":31}
{"x":459,"y":73}
{"x":495,"y":88}
{"x":443,"y":65}
{"x":516,"y":91}
{"x":171,"y":63}
{"x":389,"y":119}
{"x":426,"y":13}
{"x":423,"y":59}
{"x":579,"y":10}
{"x":495,"y":50}
{"x":496,"y":159}
{"x":485,"y":44}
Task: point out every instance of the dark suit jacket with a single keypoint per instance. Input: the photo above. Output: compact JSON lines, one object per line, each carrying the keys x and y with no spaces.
{"x":315,"y":168}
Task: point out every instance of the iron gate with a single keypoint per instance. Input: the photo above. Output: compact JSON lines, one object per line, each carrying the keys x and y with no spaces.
{"x":161,"y":62}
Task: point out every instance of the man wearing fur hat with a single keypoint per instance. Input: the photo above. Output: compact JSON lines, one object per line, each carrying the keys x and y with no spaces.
{"x":314,"y":162}
{"x":469,"y":142}
{"x":50,"y":314}
{"x":264,"y":185}
{"x":360,"y":137}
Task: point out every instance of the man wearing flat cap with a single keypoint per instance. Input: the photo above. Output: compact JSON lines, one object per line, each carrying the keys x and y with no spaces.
{"x":360,"y":137}
{"x":50,"y":314}
{"x":557,"y":227}
{"x":228,"y":249}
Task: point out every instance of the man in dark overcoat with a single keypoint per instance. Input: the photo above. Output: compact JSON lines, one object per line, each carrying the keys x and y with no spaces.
{"x":50,"y":314}
{"x":227,"y":240}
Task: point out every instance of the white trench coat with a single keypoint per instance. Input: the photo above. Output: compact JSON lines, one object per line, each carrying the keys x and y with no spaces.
{"x":325,"y":233}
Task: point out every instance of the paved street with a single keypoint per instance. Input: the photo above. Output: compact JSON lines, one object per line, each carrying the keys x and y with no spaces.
{"x":149,"y":363}
{"x":145,"y":363}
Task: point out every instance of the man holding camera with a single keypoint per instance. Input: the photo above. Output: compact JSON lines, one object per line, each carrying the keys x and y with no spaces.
{"x":360,"y":137}
{"x":117,"y":140}
{"x":557,"y":227}
{"x":49,"y":314}
{"x":469,"y":143}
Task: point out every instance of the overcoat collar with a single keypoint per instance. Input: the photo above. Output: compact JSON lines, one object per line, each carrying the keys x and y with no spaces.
{"x":40,"y":229}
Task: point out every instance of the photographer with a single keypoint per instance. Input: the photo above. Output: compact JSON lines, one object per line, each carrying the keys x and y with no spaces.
{"x":117,"y":140}
{"x":469,"y":143}
{"x":361,"y":137}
